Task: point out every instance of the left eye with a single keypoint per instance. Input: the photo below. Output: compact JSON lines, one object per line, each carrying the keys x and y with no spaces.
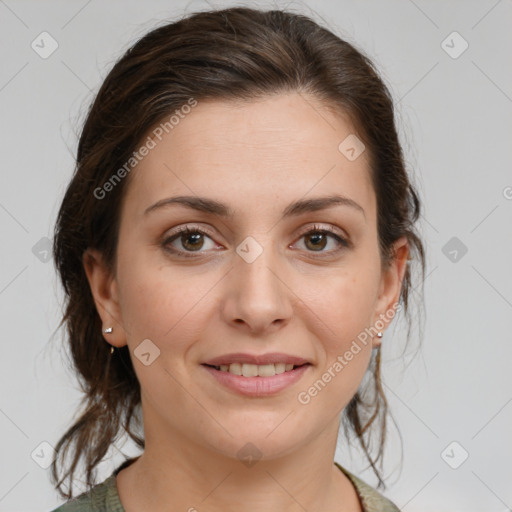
{"x":318,"y":239}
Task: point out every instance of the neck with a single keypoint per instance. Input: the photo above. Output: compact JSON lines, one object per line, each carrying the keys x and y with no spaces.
{"x":175,"y":473}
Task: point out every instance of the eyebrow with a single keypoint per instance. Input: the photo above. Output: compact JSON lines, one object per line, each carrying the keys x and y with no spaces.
{"x":206,"y":205}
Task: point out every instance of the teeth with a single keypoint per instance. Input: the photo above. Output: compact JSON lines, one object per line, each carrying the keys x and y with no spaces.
{"x":281,"y":368}
{"x":254,"y":370}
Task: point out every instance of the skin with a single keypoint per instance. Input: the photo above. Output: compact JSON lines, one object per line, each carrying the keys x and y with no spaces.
{"x":257,"y":158}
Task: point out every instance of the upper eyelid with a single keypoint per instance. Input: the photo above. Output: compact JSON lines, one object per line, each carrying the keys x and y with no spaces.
{"x":316,"y":226}
{"x":329,"y":229}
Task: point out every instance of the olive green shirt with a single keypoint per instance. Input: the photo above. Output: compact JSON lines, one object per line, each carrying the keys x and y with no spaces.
{"x":103,"y":497}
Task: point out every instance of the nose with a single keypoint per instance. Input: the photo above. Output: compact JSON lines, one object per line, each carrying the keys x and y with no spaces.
{"x":257,"y":297}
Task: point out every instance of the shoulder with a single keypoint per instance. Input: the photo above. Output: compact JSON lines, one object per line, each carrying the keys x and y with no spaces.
{"x":371,"y":499}
{"x":100,"y":498}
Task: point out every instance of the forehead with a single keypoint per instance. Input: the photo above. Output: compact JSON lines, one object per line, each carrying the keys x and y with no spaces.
{"x":252,"y":154}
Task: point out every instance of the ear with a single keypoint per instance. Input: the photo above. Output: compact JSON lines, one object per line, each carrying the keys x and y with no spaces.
{"x":105,"y":293}
{"x":390,"y":287}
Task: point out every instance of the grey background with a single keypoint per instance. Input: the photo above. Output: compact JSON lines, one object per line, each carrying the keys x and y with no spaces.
{"x":456,"y":126}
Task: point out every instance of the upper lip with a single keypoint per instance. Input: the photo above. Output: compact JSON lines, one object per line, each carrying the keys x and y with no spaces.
{"x":241,"y":358}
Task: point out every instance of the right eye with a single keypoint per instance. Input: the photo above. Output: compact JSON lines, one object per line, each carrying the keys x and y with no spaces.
{"x":190,"y":238}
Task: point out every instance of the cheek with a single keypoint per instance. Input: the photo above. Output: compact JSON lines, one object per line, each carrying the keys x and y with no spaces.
{"x":159,"y":304}
{"x":338,"y":318}
{"x":346,"y":303}
{"x":164,"y":307}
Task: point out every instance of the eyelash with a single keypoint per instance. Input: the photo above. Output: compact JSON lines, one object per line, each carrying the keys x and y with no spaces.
{"x":187,"y":230}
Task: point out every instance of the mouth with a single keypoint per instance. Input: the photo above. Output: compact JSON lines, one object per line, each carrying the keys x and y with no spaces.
{"x":256,"y":381}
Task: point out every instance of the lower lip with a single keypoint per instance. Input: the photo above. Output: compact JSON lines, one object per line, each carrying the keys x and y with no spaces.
{"x":258,"y":386}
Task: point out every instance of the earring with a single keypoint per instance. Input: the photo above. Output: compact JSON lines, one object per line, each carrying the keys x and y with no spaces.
{"x":379,"y":335}
{"x":108,"y":330}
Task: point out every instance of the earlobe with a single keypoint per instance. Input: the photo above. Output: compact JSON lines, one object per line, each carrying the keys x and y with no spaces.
{"x":103,"y":287}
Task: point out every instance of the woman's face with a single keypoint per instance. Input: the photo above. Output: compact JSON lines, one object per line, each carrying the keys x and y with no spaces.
{"x":259,"y":275}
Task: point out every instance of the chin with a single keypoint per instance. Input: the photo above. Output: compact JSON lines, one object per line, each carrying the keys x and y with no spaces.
{"x":257,"y":443}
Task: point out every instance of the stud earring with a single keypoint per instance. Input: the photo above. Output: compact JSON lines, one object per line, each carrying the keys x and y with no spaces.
{"x":108,"y":330}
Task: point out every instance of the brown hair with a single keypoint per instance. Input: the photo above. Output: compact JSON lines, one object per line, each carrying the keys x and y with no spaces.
{"x":231,"y":54}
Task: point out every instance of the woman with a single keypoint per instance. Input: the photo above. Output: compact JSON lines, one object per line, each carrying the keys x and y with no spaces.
{"x":233,"y":245}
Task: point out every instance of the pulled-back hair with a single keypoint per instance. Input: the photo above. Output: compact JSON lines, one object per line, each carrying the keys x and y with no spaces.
{"x":231,"y":54}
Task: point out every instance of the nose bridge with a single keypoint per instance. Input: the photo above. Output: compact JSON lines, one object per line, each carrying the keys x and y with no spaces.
{"x":257,"y":263}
